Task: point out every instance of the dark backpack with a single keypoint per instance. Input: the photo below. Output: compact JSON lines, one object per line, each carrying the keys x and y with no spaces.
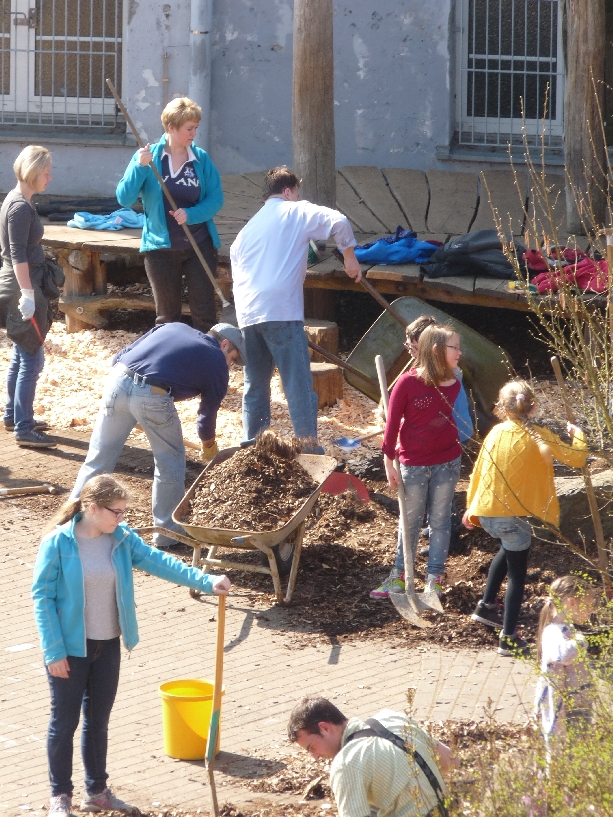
{"x":478,"y":253}
{"x":377,"y":730}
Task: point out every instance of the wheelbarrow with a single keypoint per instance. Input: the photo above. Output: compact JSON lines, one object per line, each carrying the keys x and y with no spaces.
{"x":280,"y":547}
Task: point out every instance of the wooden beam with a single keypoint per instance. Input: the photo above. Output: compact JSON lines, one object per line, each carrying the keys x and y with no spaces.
{"x":417,"y":290}
{"x":83,"y":313}
{"x":584,"y":146}
{"x":313,"y":101}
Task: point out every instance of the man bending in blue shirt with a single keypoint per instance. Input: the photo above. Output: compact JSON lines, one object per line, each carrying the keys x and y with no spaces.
{"x":172,"y":362}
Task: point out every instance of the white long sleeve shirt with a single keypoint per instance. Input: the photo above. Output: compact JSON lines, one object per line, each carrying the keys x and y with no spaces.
{"x":269,"y":258}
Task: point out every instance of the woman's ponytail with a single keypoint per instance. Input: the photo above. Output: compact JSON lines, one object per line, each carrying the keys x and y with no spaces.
{"x":68,"y":511}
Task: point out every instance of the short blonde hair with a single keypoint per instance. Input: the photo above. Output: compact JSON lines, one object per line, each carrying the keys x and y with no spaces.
{"x":180,"y":111}
{"x":30,"y":164}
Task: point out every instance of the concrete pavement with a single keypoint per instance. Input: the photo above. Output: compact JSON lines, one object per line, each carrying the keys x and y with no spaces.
{"x":264,"y":674}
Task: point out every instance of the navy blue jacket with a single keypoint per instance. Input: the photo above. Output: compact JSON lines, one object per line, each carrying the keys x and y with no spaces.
{"x":188,"y":361}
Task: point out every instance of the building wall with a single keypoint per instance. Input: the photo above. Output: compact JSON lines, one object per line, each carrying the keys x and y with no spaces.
{"x":393,"y":87}
{"x":392,"y":83}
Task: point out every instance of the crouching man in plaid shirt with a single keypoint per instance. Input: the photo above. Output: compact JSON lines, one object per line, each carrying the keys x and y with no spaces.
{"x":387,"y":763}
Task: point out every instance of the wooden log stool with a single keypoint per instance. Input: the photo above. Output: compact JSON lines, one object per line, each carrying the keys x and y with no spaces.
{"x":327,"y":383}
{"x":324,"y":334}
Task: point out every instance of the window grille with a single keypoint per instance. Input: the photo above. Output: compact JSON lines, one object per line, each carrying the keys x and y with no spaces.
{"x":510,"y":54}
{"x":55,"y":56}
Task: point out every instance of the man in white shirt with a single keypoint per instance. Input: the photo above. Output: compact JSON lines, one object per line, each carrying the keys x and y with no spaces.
{"x":269,"y":264}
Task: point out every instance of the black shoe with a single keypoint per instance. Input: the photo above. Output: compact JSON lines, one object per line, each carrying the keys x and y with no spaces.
{"x":488,"y":615}
{"x":36,"y":439}
{"x":513,"y":646}
{"x":40,"y":426}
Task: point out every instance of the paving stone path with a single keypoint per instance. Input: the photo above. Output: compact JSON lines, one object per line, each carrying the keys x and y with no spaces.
{"x":263,"y":676}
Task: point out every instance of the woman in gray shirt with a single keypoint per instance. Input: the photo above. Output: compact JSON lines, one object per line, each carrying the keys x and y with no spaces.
{"x":27,"y":282}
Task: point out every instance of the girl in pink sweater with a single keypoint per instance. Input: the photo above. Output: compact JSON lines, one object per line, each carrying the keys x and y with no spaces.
{"x":421,"y":429}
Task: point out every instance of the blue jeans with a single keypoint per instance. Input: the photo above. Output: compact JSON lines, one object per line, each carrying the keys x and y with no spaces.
{"x":282,"y":344}
{"x":91,"y":685}
{"x":22,"y":376}
{"x":432,"y":487}
{"x":125,"y":403}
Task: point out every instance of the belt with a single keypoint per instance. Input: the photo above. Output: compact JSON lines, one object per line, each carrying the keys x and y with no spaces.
{"x":147,"y":381}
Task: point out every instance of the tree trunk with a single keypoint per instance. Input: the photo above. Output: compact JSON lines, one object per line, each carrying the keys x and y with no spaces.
{"x":584,"y":144}
{"x":313,"y":101}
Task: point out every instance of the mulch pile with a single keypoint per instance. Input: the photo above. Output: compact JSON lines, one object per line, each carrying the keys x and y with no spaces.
{"x":260,"y":488}
{"x":349,"y":549}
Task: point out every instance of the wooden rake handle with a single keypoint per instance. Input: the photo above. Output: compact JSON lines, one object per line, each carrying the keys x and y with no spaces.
{"x":216,"y":707}
{"x":166,"y":192}
{"x":603,"y":559}
{"x":557,"y":370}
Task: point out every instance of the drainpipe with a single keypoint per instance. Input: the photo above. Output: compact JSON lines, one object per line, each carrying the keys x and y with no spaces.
{"x":199,"y":90}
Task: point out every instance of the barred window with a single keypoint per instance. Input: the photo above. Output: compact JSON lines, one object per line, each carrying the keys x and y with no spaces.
{"x":55,"y":56}
{"x":510,"y":66}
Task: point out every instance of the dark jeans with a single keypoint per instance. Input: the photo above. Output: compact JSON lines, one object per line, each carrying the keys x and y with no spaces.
{"x":513,"y":563}
{"x":165,"y":270}
{"x":92,"y":685}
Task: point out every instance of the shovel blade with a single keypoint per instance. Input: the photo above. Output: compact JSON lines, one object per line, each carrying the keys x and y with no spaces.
{"x":346,"y":443}
{"x":408,"y":607}
{"x":429,"y":601}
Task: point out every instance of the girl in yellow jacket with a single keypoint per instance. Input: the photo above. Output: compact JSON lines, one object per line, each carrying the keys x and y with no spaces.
{"x":512,"y":481}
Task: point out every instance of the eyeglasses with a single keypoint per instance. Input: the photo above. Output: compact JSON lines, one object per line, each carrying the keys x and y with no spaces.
{"x":410,"y":345}
{"x":455,"y":348}
{"x":118,"y":514}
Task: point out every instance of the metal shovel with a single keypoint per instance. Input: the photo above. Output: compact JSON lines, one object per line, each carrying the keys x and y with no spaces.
{"x":409,"y":604}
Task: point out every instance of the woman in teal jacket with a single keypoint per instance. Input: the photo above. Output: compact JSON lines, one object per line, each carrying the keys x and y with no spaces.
{"x":195,"y":186}
{"x":83,"y":595}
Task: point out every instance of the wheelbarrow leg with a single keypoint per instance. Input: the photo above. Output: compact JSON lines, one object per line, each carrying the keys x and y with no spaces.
{"x":276,"y":579}
{"x":291,"y":582}
{"x":195,"y":594}
{"x":210,"y":555}
{"x":274,"y":572}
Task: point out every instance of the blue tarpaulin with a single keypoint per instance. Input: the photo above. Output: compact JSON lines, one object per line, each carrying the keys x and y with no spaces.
{"x":403,"y":247}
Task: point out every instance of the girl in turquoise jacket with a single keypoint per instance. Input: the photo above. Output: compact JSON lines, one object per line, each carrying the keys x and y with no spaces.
{"x":195,"y":186}
{"x":83,"y":595}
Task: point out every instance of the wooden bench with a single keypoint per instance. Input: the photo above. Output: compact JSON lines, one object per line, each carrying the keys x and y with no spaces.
{"x":436,"y":204}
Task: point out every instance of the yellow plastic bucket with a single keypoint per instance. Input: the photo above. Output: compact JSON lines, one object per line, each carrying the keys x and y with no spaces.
{"x":186,"y":715}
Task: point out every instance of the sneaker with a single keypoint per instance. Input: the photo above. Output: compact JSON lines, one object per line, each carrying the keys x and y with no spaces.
{"x":513,"y":646}
{"x":41,"y":425}
{"x":434,"y":584}
{"x":393,"y":584}
{"x":60,"y":806}
{"x":488,"y":614}
{"x":106,"y":801}
{"x":36,"y":439}
{"x":425,"y":532}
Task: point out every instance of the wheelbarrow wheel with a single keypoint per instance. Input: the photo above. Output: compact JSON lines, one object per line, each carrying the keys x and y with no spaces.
{"x":284,"y":554}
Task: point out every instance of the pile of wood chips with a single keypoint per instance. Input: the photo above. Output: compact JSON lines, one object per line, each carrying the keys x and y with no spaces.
{"x":70,"y":387}
{"x":259,"y":488}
